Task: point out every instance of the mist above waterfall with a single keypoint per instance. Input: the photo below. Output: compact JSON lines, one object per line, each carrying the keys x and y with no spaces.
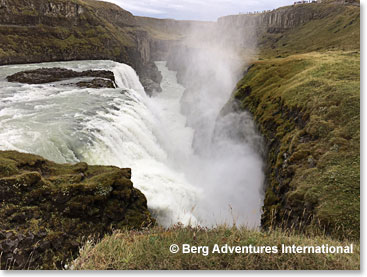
{"x":226,"y":163}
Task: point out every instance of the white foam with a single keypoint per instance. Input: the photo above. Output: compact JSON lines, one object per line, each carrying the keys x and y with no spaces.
{"x":126,"y":128}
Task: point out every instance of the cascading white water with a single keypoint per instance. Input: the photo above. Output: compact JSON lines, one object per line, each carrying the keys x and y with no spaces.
{"x":125,"y":128}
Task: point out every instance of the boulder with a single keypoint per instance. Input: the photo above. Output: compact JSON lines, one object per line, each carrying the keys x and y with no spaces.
{"x":54,"y":74}
{"x":150,"y":86}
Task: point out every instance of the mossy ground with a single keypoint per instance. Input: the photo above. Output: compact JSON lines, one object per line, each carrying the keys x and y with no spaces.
{"x":149,"y":250}
{"x":48,"y":209}
{"x":308,"y":108}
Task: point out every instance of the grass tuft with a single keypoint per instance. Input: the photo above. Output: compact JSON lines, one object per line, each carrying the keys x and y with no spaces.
{"x":149,"y":250}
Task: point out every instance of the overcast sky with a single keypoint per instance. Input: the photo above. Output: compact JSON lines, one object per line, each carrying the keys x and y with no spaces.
{"x":196,"y":9}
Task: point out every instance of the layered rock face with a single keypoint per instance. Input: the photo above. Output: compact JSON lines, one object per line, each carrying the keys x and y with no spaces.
{"x":38,"y":31}
{"x":288,"y":30}
{"x":48,"y":210}
{"x":280,"y":19}
{"x":283,"y":18}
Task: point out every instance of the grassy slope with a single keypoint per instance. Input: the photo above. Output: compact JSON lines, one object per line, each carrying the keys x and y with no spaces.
{"x":308,"y":107}
{"x":149,"y":249}
{"x":336,"y":29}
{"x":161,"y":29}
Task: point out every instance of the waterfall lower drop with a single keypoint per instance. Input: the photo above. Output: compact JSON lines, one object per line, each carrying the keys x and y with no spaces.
{"x":126,"y":128}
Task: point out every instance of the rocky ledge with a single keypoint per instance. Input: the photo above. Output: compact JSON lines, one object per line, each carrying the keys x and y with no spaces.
{"x":48,"y":210}
{"x":104,"y":78}
{"x":151,"y":78}
{"x":96,"y":83}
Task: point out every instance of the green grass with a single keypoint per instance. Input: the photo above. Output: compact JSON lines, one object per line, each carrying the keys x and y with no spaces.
{"x":149,"y":249}
{"x":334,"y":27}
{"x":308,"y":108}
{"x":304,"y":94}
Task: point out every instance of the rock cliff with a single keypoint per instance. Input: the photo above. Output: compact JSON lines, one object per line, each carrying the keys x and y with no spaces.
{"x":285,"y":17}
{"x":48,"y":210}
{"x":300,"y":28}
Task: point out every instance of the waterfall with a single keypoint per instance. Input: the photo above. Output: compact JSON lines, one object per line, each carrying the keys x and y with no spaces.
{"x":126,"y":128}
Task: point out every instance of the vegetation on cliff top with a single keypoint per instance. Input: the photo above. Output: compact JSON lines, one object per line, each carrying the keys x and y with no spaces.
{"x":307,"y":107}
{"x":334,"y":27}
{"x":149,"y":249}
{"x":48,"y":209}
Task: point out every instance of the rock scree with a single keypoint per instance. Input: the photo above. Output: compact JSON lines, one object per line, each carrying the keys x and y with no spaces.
{"x":48,"y":210}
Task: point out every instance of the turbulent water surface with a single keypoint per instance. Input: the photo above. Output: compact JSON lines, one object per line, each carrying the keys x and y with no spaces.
{"x":126,"y":128}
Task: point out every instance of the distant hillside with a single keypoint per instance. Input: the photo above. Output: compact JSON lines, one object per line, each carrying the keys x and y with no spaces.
{"x":170,"y":29}
{"x":302,"y":28}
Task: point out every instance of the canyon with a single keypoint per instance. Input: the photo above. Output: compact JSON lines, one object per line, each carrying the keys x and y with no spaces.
{"x":266,"y":93}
